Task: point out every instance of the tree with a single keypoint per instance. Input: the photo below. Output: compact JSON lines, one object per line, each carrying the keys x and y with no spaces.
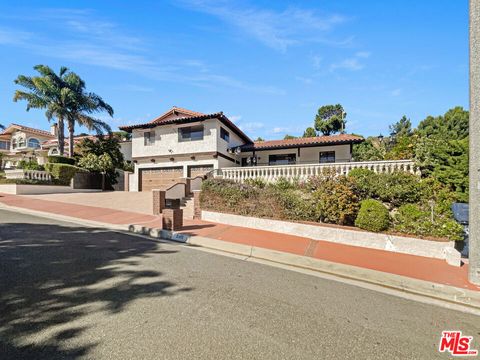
{"x":309,"y":132}
{"x":103,"y":145}
{"x":453,"y":125}
{"x":47,"y":91}
{"x":81,"y":107}
{"x":330,"y":119}
{"x":369,"y":150}
{"x":2,"y":127}
{"x":260,"y":139}
{"x":288,"y":137}
{"x":402,"y":128}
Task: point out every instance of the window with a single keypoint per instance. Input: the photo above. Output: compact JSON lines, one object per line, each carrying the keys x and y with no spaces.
{"x":224,"y":134}
{"x":148,"y":138}
{"x":282,"y":159}
{"x":4,"y":145}
{"x":14,"y":143}
{"x":33,"y":143}
{"x":327,"y":157}
{"x":191,"y":133}
{"x":21,"y":142}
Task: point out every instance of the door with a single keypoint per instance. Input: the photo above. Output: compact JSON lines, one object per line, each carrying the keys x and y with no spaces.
{"x":198,"y":170}
{"x":159,"y":178}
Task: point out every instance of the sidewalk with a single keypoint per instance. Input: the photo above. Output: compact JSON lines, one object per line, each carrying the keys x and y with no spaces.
{"x":431,"y":270}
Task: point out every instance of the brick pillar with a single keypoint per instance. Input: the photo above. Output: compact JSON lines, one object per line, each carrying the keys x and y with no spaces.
{"x":197,"y":209}
{"x":172,"y":219}
{"x":158,"y":201}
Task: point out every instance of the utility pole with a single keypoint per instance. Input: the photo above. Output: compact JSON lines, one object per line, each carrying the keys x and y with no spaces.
{"x":474,"y":131}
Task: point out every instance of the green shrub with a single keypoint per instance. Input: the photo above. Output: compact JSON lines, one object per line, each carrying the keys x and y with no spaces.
{"x":366,"y":182}
{"x":29,"y":165}
{"x":257,"y":182}
{"x":57,"y":159}
{"x":336,"y":199}
{"x":62,"y":173}
{"x":296,"y":205}
{"x":398,"y":188}
{"x":373,"y":216}
{"x":417,"y":220}
{"x":24,"y":181}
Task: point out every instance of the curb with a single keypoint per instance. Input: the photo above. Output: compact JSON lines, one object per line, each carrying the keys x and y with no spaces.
{"x":445,"y":293}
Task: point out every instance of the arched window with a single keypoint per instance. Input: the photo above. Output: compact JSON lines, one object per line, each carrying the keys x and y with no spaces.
{"x":53,"y":151}
{"x":21,"y":142}
{"x":14,"y":143}
{"x":33,"y":143}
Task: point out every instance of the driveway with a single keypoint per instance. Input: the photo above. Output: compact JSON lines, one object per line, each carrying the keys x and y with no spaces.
{"x":72,"y":292}
{"x":139,"y":202}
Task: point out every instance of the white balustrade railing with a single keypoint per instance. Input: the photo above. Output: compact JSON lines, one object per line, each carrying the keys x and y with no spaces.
{"x":304,"y":171}
{"x":28,"y":174}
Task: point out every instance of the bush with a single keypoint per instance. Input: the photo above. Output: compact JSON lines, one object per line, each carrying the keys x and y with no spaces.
{"x":366,"y":182}
{"x":373,"y":216}
{"x":29,"y":165}
{"x":336,"y":199}
{"x":417,"y":220}
{"x":398,"y":188}
{"x":57,"y":159}
{"x":62,"y":173}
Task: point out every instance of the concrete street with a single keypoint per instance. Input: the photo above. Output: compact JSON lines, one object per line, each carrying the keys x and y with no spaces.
{"x":68,"y":291}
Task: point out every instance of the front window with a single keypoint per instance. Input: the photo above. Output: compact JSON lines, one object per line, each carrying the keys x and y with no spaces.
{"x":191,"y":133}
{"x":33,"y":143}
{"x":224,"y":134}
{"x":4,"y":145}
{"x":21,"y":142}
{"x":14,"y":143}
{"x":327,"y":157}
{"x":149,"y":138}
{"x":282,"y":159}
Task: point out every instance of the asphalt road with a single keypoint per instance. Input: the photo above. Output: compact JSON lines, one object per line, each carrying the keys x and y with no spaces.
{"x":68,"y":291}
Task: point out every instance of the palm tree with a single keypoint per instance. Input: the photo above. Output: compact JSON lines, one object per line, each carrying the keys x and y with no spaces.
{"x":47,"y":91}
{"x":81,"y":107}
{"x":2,"y":127}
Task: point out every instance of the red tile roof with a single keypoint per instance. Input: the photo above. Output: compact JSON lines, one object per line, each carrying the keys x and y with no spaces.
{"x":176,"y":110}
{"x":26,"y":128}
{"x":303,"y":142}
{"x":76,"y":139}
{"x":188,"y":119}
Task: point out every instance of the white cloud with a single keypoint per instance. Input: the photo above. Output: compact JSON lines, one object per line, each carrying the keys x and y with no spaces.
{"x":277,"y":130}
{"x":304,"y":80}
{"x":276,"y":29}
{"x":317,"y":61}
{"x":349,"y":64}
{"x":362,"y":54}
{"x":85,"y":39}
{"x":251,"y":126}
{"x":235,"y":118}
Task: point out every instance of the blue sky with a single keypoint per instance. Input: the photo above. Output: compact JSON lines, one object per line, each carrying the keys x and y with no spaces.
{"x":268,"y":65}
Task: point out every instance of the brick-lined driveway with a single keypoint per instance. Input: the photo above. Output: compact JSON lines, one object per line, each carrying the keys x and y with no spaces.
{"x":139,"y":202}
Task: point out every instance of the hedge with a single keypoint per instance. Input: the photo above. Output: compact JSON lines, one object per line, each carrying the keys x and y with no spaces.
{"x":373,"y":216}
{"x":57,"y":159}
{"x":62,"y":173}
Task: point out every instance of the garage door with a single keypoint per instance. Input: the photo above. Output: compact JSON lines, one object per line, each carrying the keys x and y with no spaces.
{"x":159,"y":178}
{"x":199,"y":170}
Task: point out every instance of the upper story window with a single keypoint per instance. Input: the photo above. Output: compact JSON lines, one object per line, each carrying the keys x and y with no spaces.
{"x":190,"y":133}
{"x":33,"y":143}
{"x":282,"y":159}
{"x":14,"y":143}
{"x":4,"y":145}
{"x":327,"y":157}
{"x":21,"y":142}
{"x":224,"y":134}
{"x":148,"y":138}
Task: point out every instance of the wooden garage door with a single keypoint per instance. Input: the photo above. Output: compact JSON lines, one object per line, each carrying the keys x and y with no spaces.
{"x":159,"y":178}
{"x":199,"y":170}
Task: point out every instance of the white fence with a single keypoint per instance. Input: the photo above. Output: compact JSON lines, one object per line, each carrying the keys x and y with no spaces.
{"x":28,"y":174}
{"x":304,"y":171}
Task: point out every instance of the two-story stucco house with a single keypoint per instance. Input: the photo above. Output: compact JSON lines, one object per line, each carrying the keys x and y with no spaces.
{"x":19,"y":142}
{"x":182,"y":143}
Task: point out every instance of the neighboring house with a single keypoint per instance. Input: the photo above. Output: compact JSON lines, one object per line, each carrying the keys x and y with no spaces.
{"x":19,"y":142}
{"x":183,"y":143}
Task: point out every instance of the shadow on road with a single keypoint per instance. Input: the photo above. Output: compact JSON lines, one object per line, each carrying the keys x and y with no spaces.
{"x":52,"y":277}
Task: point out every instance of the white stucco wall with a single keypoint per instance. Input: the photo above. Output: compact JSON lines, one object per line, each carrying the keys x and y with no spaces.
{"x":308,"y":155}
{"x":126,"y":149}
{"x":166,"y":139}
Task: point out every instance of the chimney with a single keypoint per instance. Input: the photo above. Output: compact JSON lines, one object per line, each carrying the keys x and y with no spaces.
{"x":54,"y":129}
